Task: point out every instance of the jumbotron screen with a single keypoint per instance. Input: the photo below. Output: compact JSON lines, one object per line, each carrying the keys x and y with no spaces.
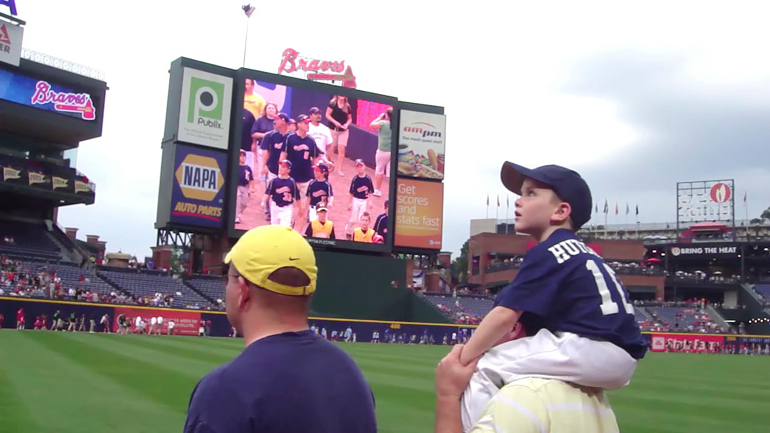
{"x":314,"y":161}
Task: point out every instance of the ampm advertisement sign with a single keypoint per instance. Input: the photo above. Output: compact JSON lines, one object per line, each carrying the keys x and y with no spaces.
{"x":204,"y":109}
{"x":47,"y":96}
{"x":198,"y":194}
{"x":421,"y":144}
{"x":419,"y":214}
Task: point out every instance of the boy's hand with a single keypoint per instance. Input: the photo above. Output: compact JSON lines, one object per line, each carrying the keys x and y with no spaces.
{"x":452,"y":377}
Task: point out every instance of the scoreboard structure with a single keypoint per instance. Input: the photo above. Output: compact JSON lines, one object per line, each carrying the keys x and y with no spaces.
{"x":214,"y":181}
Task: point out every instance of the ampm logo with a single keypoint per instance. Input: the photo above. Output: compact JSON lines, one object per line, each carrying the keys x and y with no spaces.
{"x":204,"y":108}
{"x":423,"y":129}
{"x":206,"y":102}
{"x":199,"y":177}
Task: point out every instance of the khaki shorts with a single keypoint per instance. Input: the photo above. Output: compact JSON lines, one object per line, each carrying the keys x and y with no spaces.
{"x":340,"y":137}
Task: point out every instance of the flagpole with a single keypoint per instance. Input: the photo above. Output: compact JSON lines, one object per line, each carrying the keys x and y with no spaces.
{"x":246,"y":41}
{"x":507,"y":208}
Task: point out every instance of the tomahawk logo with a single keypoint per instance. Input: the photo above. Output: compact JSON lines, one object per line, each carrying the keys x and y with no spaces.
{"x":66,"y":102}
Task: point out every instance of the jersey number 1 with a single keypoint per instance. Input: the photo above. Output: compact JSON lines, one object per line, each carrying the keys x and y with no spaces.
{"x":608,"y":306}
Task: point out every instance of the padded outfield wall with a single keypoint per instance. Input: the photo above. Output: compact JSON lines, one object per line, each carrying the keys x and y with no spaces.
{"x":359,"y":286}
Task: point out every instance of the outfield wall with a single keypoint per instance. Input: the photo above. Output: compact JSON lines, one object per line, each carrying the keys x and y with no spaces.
{"x":187,"y":322}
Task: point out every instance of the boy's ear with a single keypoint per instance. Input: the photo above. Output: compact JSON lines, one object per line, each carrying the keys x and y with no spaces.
{"x":562,"y":213}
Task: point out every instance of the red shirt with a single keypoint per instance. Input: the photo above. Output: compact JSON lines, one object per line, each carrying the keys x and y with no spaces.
{"x":19,"y":316}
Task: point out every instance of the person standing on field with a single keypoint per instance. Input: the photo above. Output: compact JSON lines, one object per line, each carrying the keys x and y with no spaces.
{"x":287,"y":379}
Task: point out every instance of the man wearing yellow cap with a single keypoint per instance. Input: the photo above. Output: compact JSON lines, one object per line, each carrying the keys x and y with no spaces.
{"x":281,"y":382}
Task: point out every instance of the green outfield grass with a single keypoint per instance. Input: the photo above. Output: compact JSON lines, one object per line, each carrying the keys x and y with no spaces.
{"x":81,"y":383}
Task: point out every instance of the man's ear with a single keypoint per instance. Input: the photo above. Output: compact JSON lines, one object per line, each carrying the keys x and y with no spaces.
{"x":244,"y":292}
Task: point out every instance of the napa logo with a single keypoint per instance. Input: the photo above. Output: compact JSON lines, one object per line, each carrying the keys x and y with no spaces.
{"x":199,"y":177}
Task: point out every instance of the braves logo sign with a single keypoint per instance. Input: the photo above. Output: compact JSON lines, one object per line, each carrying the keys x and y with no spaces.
{"x":66,"y":102}
{"x":317,"y":70}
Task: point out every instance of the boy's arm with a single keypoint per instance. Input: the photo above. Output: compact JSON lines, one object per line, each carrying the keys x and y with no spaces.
{"x":495,"y":325}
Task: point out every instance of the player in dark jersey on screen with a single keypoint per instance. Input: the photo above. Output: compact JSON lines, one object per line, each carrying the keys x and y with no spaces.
{"x":361,"y":189}
{"x":319,"y":191}
{"x":283,"y":194}
{"x":564,"y":295}
{"x":273,"y":148}
{"x":303,"y":153}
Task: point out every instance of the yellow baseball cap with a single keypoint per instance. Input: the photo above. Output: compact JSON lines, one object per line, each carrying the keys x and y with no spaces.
{"x":263,"y":250}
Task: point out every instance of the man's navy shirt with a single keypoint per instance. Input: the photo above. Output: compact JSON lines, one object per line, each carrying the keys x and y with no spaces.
{"x":274,"y":142}
{"x":563,"y":285}
{"x":301,"y":151}
{"x":292,"y":382}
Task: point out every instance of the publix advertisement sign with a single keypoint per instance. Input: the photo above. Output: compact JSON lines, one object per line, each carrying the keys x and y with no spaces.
{"x":204,"y":110}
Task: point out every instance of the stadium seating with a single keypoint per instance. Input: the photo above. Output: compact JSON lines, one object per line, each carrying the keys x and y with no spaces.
{"x":27,"y":240}
{"x":462,"y":309}
{"x":143,"y":285}
{"x":763,"y":290}
{"x":688,"y":318}
{"x":211,"y":286}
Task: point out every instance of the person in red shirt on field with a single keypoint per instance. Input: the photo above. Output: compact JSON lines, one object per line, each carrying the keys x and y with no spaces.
{"x":1,"y":320}
{"x":38,"y":325}
{"x":20,"y":319}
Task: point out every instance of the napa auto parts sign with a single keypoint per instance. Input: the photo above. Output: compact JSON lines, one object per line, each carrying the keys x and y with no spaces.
{"x":46,"y":96}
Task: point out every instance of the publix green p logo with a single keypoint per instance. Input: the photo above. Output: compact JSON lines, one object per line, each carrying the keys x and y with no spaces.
{"x":206,"y":103}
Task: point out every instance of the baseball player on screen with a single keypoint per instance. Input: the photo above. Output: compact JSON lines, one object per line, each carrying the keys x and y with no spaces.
{"x":283,"y":194}
{"x":302,"y":151}
{"x":320,"y":132}
{"x":320,"y":190}
{"x":361,"y":189}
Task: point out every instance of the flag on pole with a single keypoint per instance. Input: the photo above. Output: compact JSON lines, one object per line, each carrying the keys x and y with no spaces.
{"x":596,"y":207}
{"x":487,"y":199}
{"x":606,"y":206}
{"x":745,"y":194}
{"x":617,"y":211}
{"x":498,"y":200}
{"x":627,"y":209}
{"x":248,"y":9}
{"x":507,"y":201}
{"x":637,"y":209}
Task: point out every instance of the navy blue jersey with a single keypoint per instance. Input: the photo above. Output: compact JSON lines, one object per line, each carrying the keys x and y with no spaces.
{"x":282,"y":191}
{"x":361,"y":187}
{"x":292,"y":382}
{"x":274,"y":142}
{"x":248,"y":122}
{"x":245,"y":175}
{"x":563,"y":285}
{"x":319,"y":191}
{"x":301,"y":151}
{"x":381,"y":225}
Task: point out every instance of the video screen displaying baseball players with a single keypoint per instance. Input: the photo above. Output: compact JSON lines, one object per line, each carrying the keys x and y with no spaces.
{"x":317,"y":162}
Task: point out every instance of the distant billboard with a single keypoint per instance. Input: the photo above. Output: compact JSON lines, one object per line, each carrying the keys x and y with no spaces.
{"x":44,"y":95}
{"x":10,"y":43}
{"x":421,"y":144}
{"x":198,"y":193}
{"x":204,"y":108}
{"x":419,"y":214}
{"x":706,"y":201}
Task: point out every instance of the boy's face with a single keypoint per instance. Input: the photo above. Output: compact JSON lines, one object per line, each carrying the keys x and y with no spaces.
{"x":242,"y":159}
{"x":319,"y":176}
{"x":535,"y":207}
{"x":283,"y":170}
{"x":364,"y":223}
{"x":360,"y":168}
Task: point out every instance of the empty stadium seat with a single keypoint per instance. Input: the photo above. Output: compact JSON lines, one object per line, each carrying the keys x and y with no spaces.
{"x":143,"y":284}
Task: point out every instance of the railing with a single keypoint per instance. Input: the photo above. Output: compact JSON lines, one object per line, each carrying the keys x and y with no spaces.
{"x":497,"y":267}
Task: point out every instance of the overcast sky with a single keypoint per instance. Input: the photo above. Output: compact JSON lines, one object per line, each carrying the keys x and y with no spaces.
{"x":634,"y":98}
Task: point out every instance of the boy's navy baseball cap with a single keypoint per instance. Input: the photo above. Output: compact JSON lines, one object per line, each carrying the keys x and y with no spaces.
{"x":314,"y":110}
{"x":566,"y":183}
